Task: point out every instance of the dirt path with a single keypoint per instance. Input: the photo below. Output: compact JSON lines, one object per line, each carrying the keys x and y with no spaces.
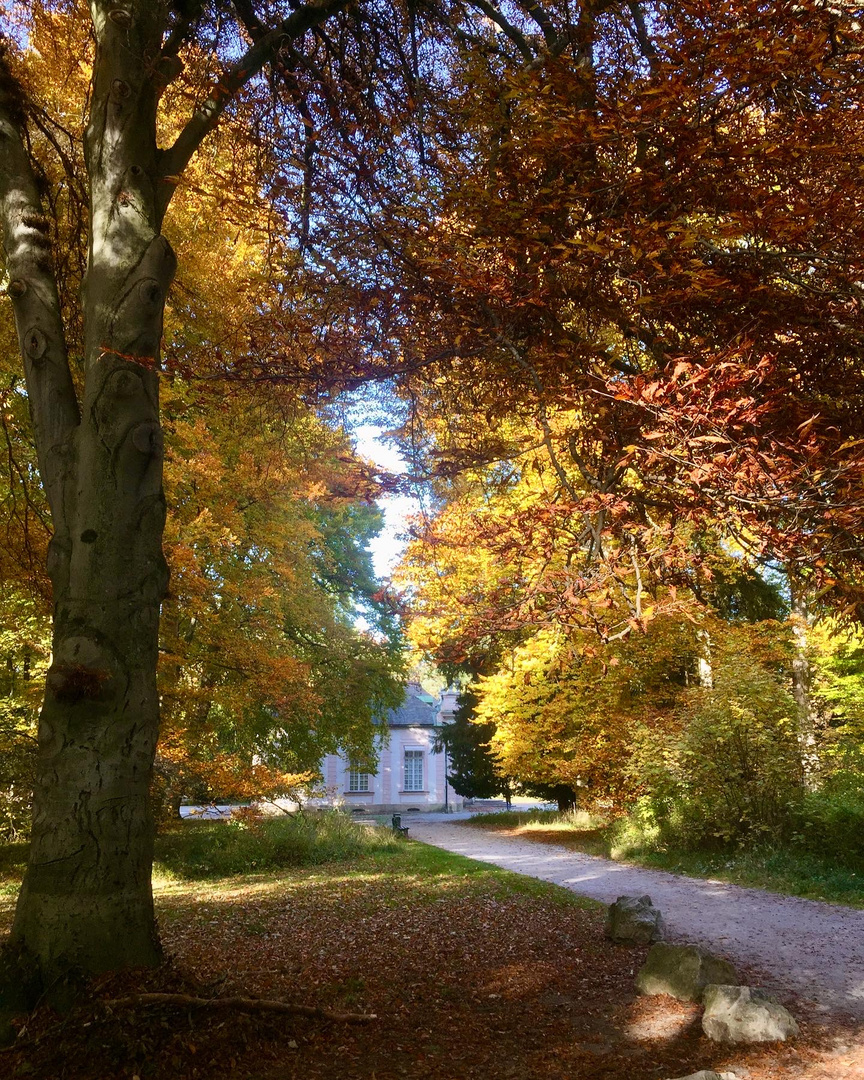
{"x":813,"y":949}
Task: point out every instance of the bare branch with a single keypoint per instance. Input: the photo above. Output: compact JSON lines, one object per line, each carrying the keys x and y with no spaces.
{"x":175,"y":159}
{"x":179,"y":32}
{"x":248,"y":1004}
{"x":507,"y":28}
{"x":248,"y":17}
{"x":533,"y":8}
{"x":641,"y":33}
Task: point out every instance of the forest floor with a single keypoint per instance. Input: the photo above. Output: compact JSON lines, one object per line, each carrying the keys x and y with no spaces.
{"x":469,"y":970}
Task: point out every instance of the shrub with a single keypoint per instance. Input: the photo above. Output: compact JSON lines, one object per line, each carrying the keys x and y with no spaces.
{"x":731,"y":773}
{"x":830,"y":820}
{"x":249,"y":843}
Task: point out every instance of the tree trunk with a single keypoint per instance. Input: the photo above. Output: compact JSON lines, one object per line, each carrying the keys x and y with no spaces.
{"x":566,"y":798}
{"x":704,"y":667}
{"x":802,"y":679}
{"x":86,"y":899}
{"x":86,"y":904}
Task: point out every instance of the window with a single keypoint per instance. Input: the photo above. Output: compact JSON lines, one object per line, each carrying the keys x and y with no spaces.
{"x":413,"y":770}
{"x":357,"y":780}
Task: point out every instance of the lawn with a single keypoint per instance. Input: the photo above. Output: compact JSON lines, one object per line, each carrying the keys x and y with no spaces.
{"x":780,"y":869}
{"x":468,"y":970}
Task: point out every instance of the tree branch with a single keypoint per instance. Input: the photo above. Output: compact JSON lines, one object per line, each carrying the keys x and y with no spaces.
{"x":175,"y":159}
{"x":179,"y":32}
{"x":32,"y":287}
{"x":532,"y":8}
{"x":507,"y":28}
{"x":640,"y":32}
{"x":251,"y":1004}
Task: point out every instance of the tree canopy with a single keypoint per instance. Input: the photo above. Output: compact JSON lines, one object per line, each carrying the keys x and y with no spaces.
{"x":606,"y":257}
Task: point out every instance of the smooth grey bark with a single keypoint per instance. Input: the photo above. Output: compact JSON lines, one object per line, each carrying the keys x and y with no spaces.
{"x":86,"y":902}
{"x":802,"y":686}
{"x":704,"y":666}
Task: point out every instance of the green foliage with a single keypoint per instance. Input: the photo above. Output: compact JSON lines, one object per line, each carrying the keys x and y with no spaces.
{"x":17,"y":765}
{"x":24,"y":651}
{"x":836,"y":657}
{"x":13,"y":860}
{"x":731,"y":772}
{"x":739,"y":594}
{"x":784,"y":868}
{"x":565,"y":706}
{"x":472,"y":770}
{"x":244,"y":844}
{"x":831,"y":820}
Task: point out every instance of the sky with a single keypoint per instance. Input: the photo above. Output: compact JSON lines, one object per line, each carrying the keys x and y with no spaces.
{"x":388,"y":546}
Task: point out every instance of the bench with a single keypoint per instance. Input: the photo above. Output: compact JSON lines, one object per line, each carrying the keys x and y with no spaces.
{"x":398,"y":827}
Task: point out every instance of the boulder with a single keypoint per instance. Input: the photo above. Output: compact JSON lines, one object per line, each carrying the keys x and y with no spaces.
{"x":634,"y":920}
{"x":682,"y":971}
{"x":736,"y":1014}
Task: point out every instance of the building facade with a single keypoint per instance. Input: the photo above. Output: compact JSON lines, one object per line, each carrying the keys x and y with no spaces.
{"x":411,"y":775}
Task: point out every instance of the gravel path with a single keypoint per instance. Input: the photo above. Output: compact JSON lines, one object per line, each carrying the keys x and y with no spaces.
{"x":815,"y":950}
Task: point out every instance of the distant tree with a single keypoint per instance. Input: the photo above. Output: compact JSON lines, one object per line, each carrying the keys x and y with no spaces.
{"x":472,"y":769}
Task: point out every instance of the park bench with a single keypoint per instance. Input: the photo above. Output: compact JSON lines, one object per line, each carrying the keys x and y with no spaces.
{"x":398,"y":827}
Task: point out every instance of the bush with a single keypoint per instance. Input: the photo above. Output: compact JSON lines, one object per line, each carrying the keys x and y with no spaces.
{"x":830,"y":820}
{"x":731,"y":774}
{"x":248,"y":843}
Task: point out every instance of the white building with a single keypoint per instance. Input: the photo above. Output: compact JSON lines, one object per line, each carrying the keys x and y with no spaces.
{"x":411,"y":775}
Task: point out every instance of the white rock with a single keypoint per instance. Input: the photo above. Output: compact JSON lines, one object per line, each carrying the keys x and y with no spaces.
{"x":736,"y":1014}
{"x":709,"y":1074}
{"x":682,"y":971}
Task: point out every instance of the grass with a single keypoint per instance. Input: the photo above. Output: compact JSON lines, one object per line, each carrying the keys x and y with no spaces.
{"x":404,"y":874}
{"x":212,"y":849}
{"x":253,"y":852}
{"x":782,"y":869}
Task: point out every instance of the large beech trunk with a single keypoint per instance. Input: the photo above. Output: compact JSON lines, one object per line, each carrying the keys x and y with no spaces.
{"x":86,"y":899}
{"x":86,"y":903}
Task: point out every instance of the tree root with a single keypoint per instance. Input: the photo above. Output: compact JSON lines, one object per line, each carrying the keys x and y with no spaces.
{"x":252,"y":1004}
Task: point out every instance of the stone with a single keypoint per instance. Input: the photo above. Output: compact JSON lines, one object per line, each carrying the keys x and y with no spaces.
{"x":682,"y":971}
{"x":736,"y":1014}
{"x":709,"y":1074}
{"x":635,"y":921}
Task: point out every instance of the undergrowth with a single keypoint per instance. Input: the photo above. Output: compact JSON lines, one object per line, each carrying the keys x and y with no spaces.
{"x":246,"y":844}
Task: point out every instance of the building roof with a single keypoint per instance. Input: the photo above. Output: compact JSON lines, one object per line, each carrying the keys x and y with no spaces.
{"x":418,"y":709}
